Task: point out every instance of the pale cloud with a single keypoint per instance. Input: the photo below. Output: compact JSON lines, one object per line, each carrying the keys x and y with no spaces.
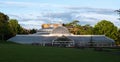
{"x":32,"y":24}
{"x":84,"y":18}
{"x":86,"y":15}
{"x":31,"y":4}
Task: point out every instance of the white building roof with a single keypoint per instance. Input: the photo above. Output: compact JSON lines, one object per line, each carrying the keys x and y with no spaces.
{"x":26,"y":39}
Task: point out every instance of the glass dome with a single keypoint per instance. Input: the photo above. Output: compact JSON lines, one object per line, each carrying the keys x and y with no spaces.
{"x":60,"y":30}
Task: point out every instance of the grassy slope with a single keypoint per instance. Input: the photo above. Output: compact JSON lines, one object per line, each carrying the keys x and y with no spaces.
{"x":26,"y":53}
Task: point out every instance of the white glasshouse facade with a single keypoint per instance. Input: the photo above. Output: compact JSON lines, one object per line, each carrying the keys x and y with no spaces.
{"x":60,"y":36}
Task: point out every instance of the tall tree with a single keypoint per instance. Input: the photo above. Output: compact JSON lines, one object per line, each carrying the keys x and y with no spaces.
{"x":107,"y":28}
{"x":4,"y":28}
{"x":14,"y":25}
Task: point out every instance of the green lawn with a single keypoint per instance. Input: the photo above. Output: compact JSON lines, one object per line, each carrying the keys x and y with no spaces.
{"x":10,"y":52}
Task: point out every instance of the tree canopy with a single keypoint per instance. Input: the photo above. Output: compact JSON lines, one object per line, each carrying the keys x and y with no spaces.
{"x":104,"y":27}
{"x":9,"y":28}
{"x":75,"y":28}
{"x":107,"y":28}
{"x":4,"y":27}
{"x":14,"y":25}
{"x":3,"y":18}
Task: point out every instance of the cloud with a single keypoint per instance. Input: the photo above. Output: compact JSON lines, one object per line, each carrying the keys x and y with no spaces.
{"x":86,"y":15}
{"x":32,"y":24}
{"x":89,"y":15}
{"x":89,"y":10}
{"x":14,"y":16}
{"x":63,"y":15}
{"x":30,"y":4}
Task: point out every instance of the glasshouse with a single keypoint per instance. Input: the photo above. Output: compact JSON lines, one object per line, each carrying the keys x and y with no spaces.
{"x":61,"y":37}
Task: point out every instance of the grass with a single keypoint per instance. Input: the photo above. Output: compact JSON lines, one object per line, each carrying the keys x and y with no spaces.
{"x":12,"y":52}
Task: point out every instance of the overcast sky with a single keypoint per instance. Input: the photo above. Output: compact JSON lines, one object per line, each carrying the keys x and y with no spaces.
{"x":33,"y":13}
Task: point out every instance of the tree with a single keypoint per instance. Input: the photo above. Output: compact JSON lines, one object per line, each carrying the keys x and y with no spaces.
{"x":86,"y":30}
{"x":73,"y":27}
{"x":9,"y":28}
{"x":74,"y":23}
{"x":107,"y":28}
{"x":3,"y":18}
{"x":32,"y":31}
{"x":77,"y":29}
{"x":4,"y":28}
{"x":14,"y":25}
{"x":118,"y":38}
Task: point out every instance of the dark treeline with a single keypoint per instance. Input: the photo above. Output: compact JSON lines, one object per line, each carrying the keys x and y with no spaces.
{"x":10,"y":27}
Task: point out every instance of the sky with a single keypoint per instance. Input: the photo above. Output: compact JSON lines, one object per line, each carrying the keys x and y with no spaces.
{"x":32,"y":13}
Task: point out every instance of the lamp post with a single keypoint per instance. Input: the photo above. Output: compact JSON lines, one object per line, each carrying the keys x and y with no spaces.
{"x":91,"y":43}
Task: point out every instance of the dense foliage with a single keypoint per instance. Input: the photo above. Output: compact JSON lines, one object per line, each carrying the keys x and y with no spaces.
{"x":118,"y":38}
{"x":75,"y":28}
{"x":9,"y":28}
{"x":107,"y":28}
{"x":103,"y":27}
{"x":5,"y":31}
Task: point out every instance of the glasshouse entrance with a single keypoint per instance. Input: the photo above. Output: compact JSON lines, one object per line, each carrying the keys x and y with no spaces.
{"x":63,"y":42}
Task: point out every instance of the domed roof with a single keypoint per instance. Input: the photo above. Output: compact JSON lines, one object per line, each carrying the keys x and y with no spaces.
{"x":60,"y":30}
